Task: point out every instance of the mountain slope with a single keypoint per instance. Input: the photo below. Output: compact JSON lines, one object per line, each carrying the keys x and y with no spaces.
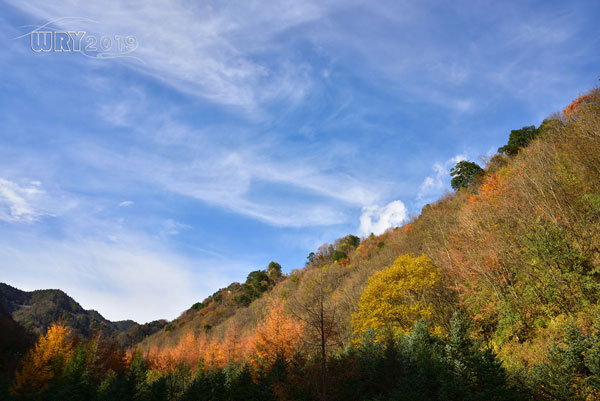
{"x":518,"y":248}
{"x":209,"y":315}
{"x":229,"y":309}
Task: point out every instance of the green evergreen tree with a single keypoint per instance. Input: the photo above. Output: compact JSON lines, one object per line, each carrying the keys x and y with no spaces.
{"x":464,"y":173}
{"x":518,"y":139}
{"x":571,"y":369}
{"x":113,"y":388}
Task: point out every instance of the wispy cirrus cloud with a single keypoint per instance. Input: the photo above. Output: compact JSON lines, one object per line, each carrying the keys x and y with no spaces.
{"x":241,"y":176}
{"x":18,"y":203}
{"x":210,"y":50}
{"x":173,"y":227}
{"x":236,"y":181}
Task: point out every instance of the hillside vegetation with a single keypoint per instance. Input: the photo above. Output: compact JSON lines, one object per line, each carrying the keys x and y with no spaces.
{"x":491,"y":293}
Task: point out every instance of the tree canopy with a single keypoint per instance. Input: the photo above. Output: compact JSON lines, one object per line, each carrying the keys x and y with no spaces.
{"x":256,"y":284}
{"x":519,"y":138}
{"x":464,"y":173}
{"x":397,"y":297}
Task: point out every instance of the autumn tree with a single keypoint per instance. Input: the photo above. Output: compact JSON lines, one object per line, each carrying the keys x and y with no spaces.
{"x":339,"y":255}
{"x":312,"y":303}
{"x":109,"y":356}
{"x":580,"y":103}
{"x":278,"y":336}
{"x":398,"y":296}
{"x":189,"y":351}
{"x":235,"y":344}
{"x":213,"y":355}
{"x":44,"y":362}
{"x":351,"y":241}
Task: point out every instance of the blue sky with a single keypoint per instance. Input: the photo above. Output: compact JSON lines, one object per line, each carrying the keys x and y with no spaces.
{"x":242,"y":132}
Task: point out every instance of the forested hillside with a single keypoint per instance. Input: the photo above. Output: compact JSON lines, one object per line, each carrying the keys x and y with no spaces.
{"x":491,"y":293}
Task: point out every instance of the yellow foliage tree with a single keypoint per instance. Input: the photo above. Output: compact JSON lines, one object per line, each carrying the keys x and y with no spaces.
{"x":44,"y":361}
{"x":398,"y":296}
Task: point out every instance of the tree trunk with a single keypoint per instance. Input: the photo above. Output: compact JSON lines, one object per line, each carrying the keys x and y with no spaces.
{"x":323,"y":339}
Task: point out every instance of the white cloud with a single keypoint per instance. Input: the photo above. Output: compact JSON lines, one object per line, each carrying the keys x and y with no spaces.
{"x":126,"y":203}
{"x":462,"y":105}
{"x":435,"y":183}
{"x":376,"y":220}
{"x":20,"y":203}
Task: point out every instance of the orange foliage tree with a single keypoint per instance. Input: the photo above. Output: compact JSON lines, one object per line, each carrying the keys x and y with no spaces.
{"x":213,"y":355}
{"x":576,"y":105}
{"x":278,"y":336}
{"x":191,"y":350}
{"x":235,"y":346}
{"x":196,"y":351}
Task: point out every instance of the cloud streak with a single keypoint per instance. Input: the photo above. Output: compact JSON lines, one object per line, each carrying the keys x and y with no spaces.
{"x":20,"y":203}
{"x":238,"y":177}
